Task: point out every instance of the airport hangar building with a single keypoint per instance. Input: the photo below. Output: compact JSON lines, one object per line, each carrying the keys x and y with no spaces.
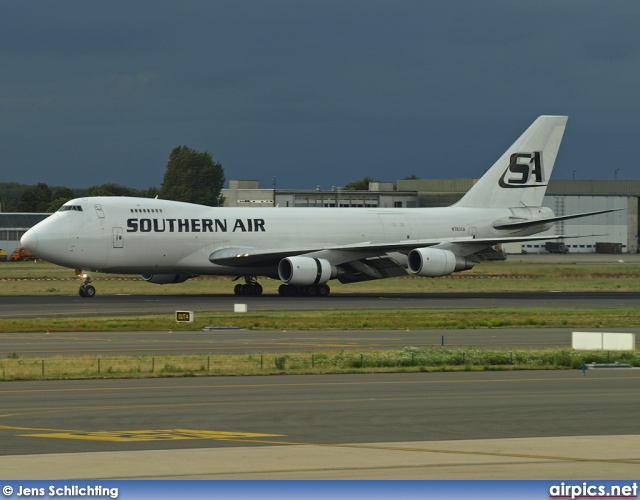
{"x":563,"y":197}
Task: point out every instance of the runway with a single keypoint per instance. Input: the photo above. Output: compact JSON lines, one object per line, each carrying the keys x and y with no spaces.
{"x":123,"y":305}
{"x":444,"y":425}
{"x":44,"y":345}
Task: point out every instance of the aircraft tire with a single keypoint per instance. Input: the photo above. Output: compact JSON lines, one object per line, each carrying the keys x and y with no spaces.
{"x":289,"y":290}
{"x":237,"y":289}
{"x":81,"y":292}
{"x":89,"y":291}
{"x":324,"y":290}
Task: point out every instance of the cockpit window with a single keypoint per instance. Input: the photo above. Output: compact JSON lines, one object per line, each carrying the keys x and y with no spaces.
{"x":65,"y":208}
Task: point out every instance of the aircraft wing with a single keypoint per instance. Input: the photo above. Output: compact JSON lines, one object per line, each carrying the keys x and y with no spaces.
{"x":249,"y":257}
{"x":243,"y":257}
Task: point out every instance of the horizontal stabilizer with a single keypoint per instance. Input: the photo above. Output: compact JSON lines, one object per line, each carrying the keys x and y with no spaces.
{"x":522,"y":224}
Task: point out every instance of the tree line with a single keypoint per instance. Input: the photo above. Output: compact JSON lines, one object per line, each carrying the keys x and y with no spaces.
{"x":190,"y":176}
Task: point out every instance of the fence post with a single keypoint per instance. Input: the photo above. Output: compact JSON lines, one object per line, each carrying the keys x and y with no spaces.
{"x":361,"y":361}
{"x":208,"y":363}
{"x":153,"y":365}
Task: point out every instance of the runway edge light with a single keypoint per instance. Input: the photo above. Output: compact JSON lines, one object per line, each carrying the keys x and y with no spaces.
{"x":184,"y":316}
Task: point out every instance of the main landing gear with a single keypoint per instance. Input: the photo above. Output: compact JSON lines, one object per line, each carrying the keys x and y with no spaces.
{"x":250,"y":287}
{"x":86,"y":290}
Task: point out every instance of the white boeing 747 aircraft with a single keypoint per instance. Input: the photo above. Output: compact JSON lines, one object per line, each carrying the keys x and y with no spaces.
{"x":170,"y":242}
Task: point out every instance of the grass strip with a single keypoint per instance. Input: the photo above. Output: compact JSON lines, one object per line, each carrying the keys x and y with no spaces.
{"x":342,"y":320}
{"x":408,"y":359}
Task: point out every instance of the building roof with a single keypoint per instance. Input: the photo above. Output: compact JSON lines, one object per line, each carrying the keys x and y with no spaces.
{"x":20,"y":221}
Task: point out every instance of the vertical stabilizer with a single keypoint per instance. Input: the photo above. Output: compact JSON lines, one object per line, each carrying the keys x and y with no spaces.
{"x":521,"y":175}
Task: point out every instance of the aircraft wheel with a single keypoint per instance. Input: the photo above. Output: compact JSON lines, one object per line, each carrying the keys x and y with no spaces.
{"x":237,"y":289}
{"x":81,"y":292}
{"x":89,"y":291}
{"x":256,"y":289}
{"x":324,"y":290}
{"x":283,"y":290}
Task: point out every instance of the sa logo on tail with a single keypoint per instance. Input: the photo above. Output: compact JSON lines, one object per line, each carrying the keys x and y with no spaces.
{"x":525,"y":167}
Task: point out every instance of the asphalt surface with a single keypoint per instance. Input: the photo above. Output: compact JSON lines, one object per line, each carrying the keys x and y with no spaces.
{"x":320,"y":409}
{"x":121,"y":305}
{"x":235,"y":341}
{"x":466,"y":414}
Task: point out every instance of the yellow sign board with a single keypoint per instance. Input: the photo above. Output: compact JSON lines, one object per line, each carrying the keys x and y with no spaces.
{"x":184,"y":316}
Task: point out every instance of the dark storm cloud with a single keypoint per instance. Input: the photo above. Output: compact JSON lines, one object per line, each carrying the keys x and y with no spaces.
{"x":314,"y":92}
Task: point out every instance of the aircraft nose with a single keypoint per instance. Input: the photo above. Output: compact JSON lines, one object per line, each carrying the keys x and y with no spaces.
{"x":48,"y":239}
{"x":30,"y":240}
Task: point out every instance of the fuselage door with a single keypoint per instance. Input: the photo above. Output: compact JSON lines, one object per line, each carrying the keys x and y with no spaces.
{"x":99,"y":211}
{"x":118,"y":237}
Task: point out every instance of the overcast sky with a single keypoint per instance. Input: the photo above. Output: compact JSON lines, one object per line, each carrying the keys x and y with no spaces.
{"x":312,"y":92}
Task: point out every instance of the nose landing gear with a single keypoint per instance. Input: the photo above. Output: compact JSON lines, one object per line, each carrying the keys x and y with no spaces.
{"x":86,"y":290}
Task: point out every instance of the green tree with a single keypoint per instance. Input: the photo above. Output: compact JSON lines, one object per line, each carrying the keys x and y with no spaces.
{"x":193,"y":177}
{"x":152,"y":192}
{"x":361,"y":185}
{"x":59,"y":197}
{"x":63,"y":192}
{"x":112,"y":190}
{"x":35,"y":198}
{"x":55,"y":204}
{"x":10,"y":193}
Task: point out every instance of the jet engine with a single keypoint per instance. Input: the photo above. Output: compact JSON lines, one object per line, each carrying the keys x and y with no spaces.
{"x":306,"y":271}
{"x":435,"y":262}
{"x":164,"y":279}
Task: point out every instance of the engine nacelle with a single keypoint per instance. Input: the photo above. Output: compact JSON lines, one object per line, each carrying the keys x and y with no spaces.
{"x":434,"y":262}
{"x":165,"y":279}
{"x":306,"y":271}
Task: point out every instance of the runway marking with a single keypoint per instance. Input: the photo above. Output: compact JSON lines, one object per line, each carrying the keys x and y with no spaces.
{"x":248,"y":437}
{"x":138,"y":435}
{"x":153,"y":435}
